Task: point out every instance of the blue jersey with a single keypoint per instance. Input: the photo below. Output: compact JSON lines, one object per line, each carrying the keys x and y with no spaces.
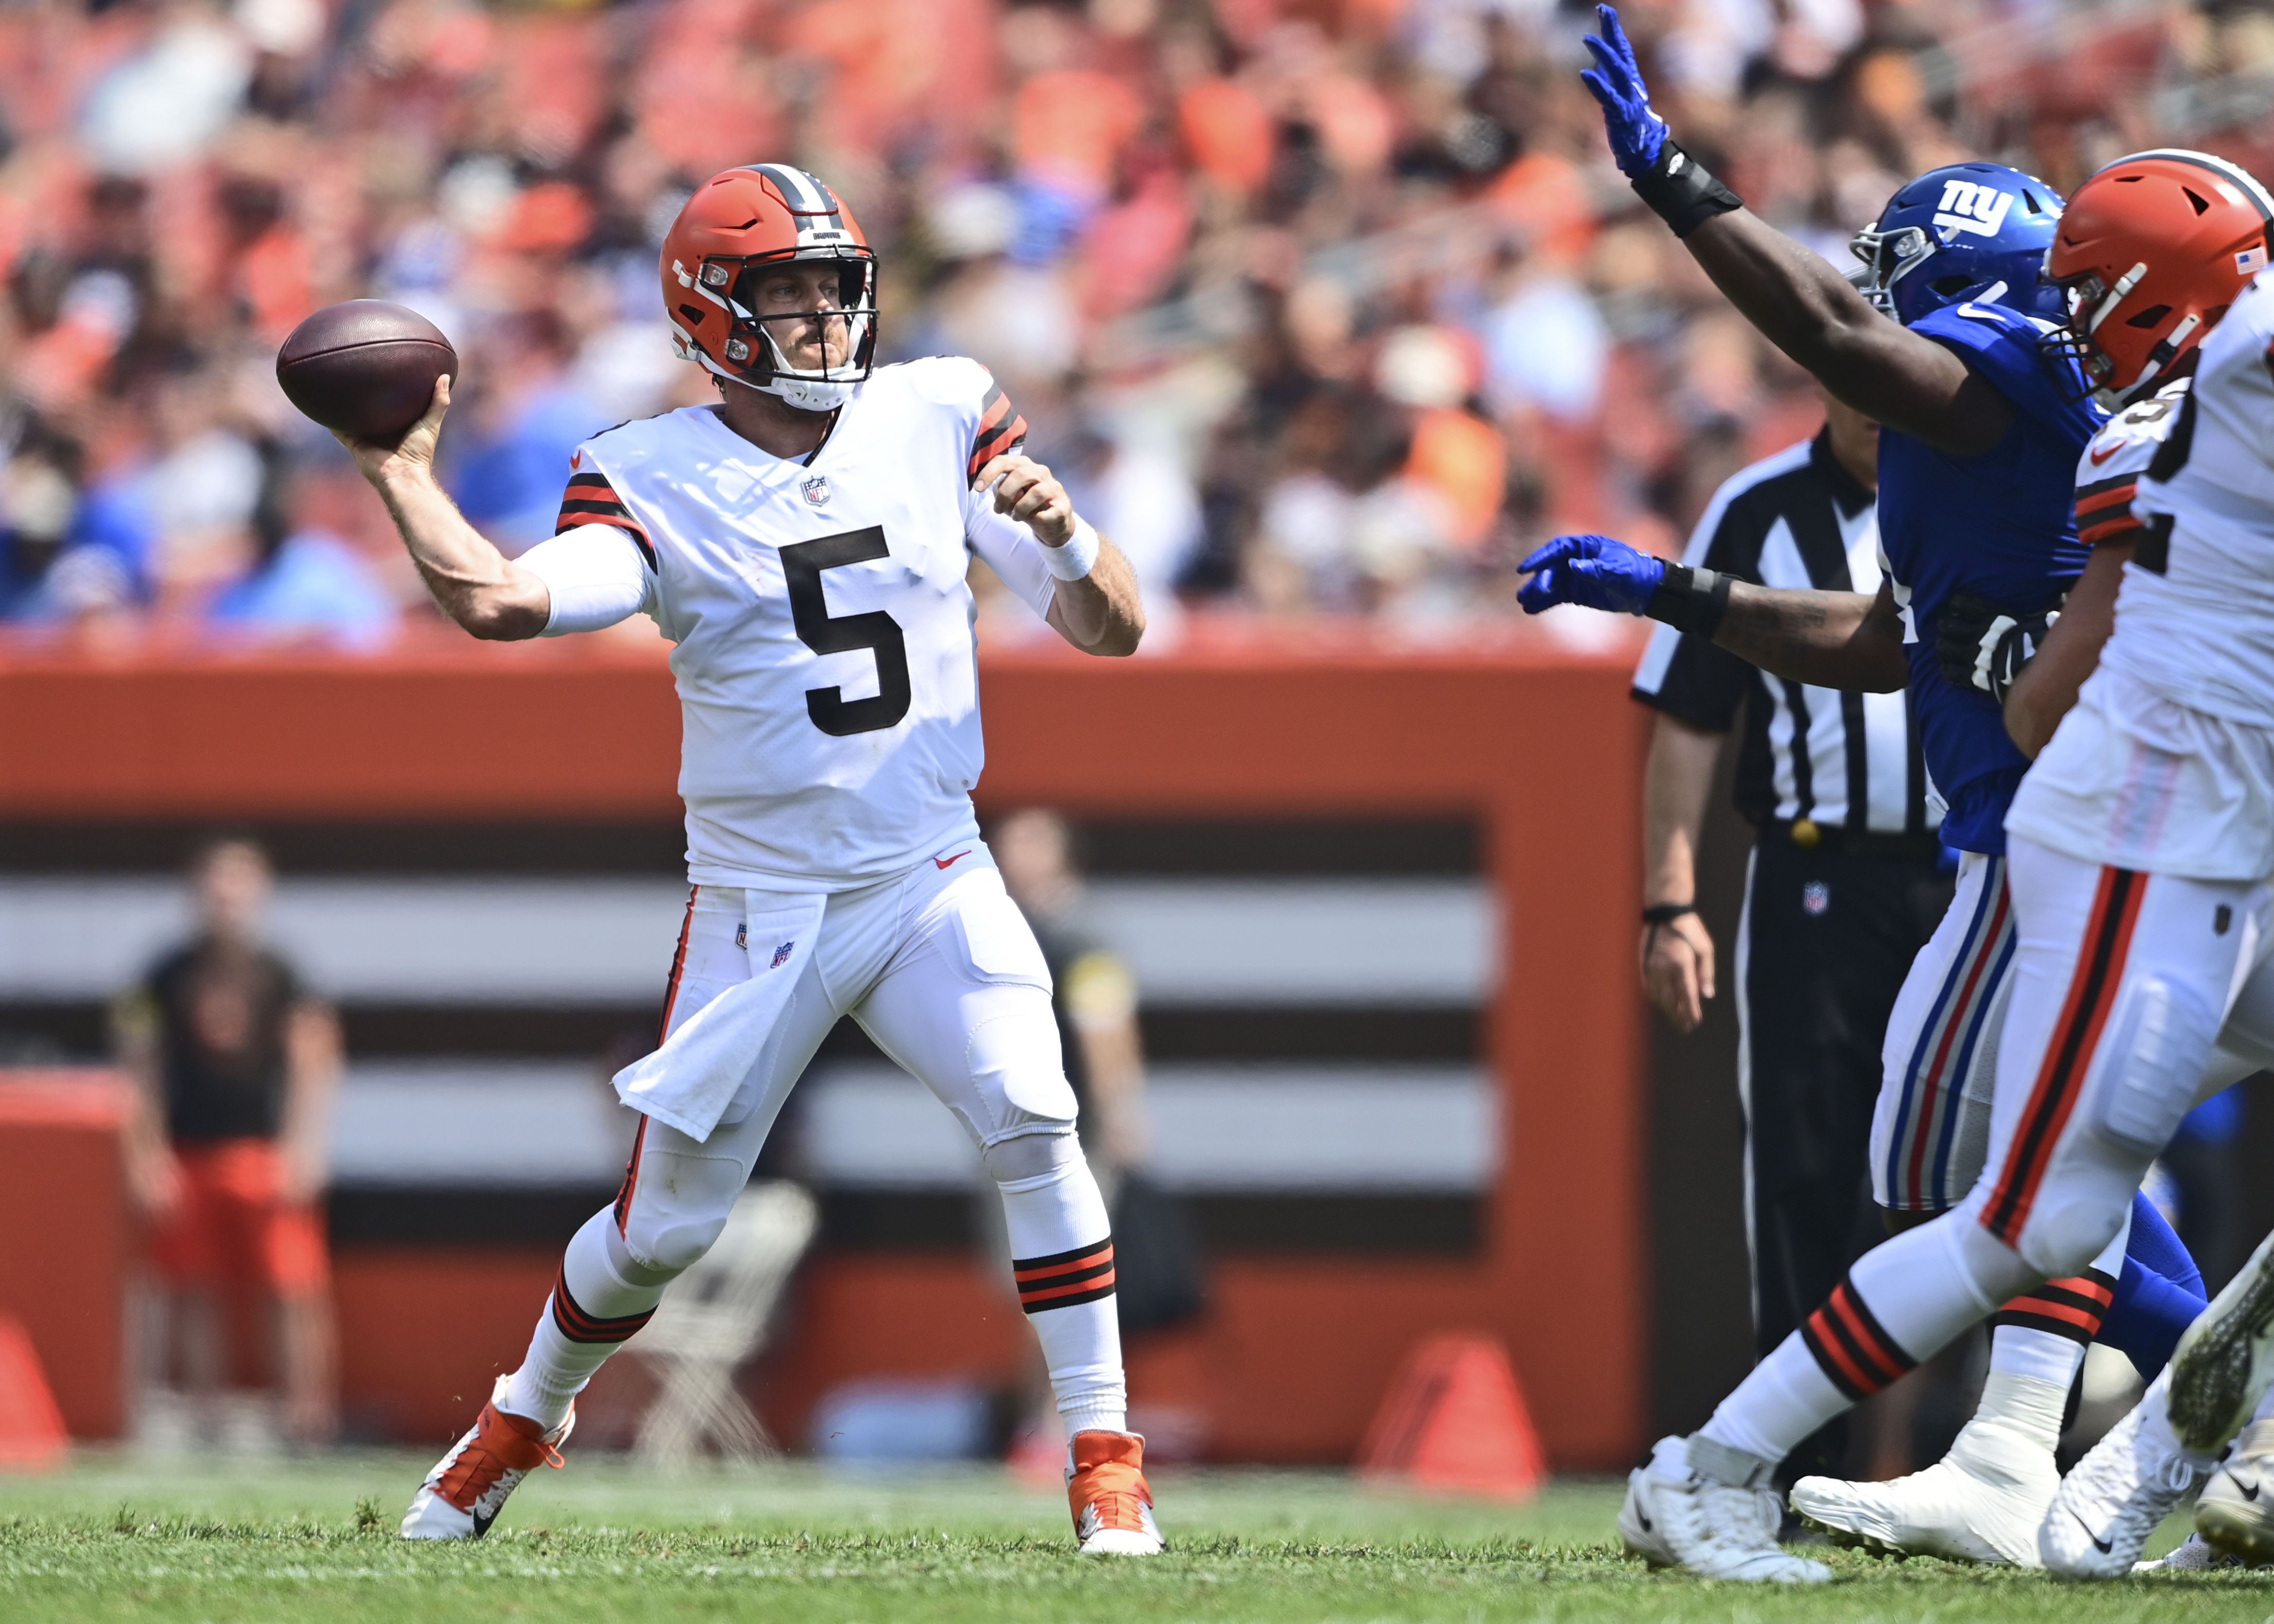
{"x":2000,"y":525}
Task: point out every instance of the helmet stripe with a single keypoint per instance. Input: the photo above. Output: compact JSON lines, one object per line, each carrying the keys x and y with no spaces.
{"x":2242,"y":178}
{"x":806,"y":195}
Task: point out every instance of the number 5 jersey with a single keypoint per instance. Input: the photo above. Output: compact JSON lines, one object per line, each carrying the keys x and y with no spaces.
{"x":825,"y":654}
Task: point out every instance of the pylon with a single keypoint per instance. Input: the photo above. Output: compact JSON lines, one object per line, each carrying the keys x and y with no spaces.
{"x":32,"y":1436}
{"x":1454,"y":1420}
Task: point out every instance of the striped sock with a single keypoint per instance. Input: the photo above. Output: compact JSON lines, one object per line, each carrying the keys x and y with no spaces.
{"x":2043,"y":1334}
{"x":1062,"y":1259}
{"x":592,"y":1311}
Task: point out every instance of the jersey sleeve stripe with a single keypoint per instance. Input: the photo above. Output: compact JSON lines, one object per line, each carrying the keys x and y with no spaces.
{"x":575,"y":510}
{"x":2103,"y":487}
{"x":2107,"y":502}
{"x":2118,"y":523}
{"x":1007,"y":436}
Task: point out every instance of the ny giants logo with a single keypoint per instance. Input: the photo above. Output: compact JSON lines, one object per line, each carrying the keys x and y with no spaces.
{"x":1967,"y":207}
{"x":782,"y":954}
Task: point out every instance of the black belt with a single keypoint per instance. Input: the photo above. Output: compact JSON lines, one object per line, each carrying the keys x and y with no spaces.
{"x":1811,"y":836}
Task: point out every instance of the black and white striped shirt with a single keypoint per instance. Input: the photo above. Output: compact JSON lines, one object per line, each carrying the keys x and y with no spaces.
{"x":1796,"y":519}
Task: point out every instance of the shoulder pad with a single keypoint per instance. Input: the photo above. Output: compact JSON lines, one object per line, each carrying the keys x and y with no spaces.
{"x":943,"y":380}
{"x":2108,"y":474}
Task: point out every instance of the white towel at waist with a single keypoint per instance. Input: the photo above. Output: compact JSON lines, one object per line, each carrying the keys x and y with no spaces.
{"x":689,"y":1082}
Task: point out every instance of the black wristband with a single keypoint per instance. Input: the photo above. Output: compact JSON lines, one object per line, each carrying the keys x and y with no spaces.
{"x":1689,"y":600}
{"x":1666,"y":913}
{"x":1681,"y":192}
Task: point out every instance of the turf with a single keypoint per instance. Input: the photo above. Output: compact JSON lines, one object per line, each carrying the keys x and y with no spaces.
{"x":115,"y":1539}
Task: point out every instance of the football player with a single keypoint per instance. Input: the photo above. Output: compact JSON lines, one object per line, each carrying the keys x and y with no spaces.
{"x":1974,"y":498}
{"x":804,"y":544}
{"x":2144,"y":866}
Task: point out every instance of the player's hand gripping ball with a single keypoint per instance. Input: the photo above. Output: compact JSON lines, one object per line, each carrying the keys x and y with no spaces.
{"x":364,"y":369}
{"x":1594,"y":572}
{"x":1636,"y":133}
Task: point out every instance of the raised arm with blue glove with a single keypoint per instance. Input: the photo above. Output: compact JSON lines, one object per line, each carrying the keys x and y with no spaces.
{"x":1845,"y":640}
{"x":1663,"y":175}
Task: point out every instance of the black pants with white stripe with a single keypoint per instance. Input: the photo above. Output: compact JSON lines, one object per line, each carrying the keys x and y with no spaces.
{"x":1825,"y":939}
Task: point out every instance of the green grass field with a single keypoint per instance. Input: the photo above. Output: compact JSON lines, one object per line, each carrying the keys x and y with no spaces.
{"x":113,"y":1538}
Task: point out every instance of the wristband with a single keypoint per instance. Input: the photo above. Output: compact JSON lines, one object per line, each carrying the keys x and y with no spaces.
{"x":1682,"y":193}
{"x":1666,"y":913}
{"x":1078,"y":557}
{"x":1689,"y":600}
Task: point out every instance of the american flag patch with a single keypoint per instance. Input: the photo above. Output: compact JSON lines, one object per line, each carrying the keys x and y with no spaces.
{"x":2250,"y":261}
{"x":782,"y":954}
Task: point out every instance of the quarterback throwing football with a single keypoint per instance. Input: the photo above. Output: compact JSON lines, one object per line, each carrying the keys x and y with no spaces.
{"x":804,"y":544}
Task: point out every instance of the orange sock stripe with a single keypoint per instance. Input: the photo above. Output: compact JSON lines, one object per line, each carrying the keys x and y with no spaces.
{"x":1067,"y":1296}
{"x":1057,"y":1264}
{"x":579,"y":1327}
{"x":1854,"y":1350}
{"x":2068,"y":1057}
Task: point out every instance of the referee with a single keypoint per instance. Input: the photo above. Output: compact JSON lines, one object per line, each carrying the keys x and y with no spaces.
{"x":1843,"y":887}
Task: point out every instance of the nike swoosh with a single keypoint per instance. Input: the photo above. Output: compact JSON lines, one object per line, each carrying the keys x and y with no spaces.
{"x":2099,"y":457}
{"x":2102,"y":1546}
{"x":2250,"y":1490}
{"x":1643,"y":1518}
{"x":946,"y":862}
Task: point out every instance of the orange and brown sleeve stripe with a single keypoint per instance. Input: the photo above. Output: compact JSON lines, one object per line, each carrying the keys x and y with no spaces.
{"x":2104,"y":509}
{"x":1852,"y":1347}
{"x":1001,"y":429}
{"x":592,"y":499}
{"x":2074,"y":1308}
{"x":1065,"y":1279}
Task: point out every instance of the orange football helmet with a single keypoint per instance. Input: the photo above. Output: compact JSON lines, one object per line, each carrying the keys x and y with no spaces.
{"x":739,"y":222}
{"x":2148,"y":256}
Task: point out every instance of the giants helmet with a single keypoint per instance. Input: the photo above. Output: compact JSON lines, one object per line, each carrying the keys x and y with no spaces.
{"x":1965,"y":231}
{"x":2152,"y":252}
{"x":740,"y":222}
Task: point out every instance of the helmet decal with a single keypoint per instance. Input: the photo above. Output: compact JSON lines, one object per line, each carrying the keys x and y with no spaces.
{"x":1965,"y":231}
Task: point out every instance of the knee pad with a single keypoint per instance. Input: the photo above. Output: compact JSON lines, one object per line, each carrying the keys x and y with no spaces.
{"x":1032,"y":1155}
{"x":678,"y":1208}
{"x":2159,"y":1042}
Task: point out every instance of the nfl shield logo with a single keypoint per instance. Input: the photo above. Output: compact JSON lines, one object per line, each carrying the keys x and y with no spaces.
{"x":1816,"y":896}
{"x":782,"y":954}
{"x":815,"y":490}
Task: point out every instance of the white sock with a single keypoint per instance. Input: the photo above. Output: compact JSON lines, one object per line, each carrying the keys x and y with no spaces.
{"x":2022,"y":1351}
{"x":592,"y":1311}
{"x":1062,"y":1259}
{"x":1787,"y":1397}
{"x":2027,"y":1404}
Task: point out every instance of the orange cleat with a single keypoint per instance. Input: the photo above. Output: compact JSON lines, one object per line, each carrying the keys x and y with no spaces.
{"x":1112,"y":1504}
{"x":468,"y":1487}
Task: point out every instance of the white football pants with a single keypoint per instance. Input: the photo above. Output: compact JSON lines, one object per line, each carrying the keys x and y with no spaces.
{"x":939,"y":968}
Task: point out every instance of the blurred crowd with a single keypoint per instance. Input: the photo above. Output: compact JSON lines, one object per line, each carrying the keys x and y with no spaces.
{"x":1322,"y":306}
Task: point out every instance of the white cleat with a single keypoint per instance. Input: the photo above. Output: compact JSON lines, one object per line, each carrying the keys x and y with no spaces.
{"x":2235,"y":1512}
{"x":2193,"y":1554}
{"x":1675,"y":1517}
{"x":1983,"y":1502}
{"x":2225,"y":1362}
{"x":2110,"y":1505}
{"x":468,"y":1487}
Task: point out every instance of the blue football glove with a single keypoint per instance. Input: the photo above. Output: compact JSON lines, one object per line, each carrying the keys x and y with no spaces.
{"x":1636,"y":132}
{"x":1594,"y":572}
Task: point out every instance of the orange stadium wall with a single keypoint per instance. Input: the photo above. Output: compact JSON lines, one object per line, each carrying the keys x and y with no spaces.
{"x":1540,"y":747}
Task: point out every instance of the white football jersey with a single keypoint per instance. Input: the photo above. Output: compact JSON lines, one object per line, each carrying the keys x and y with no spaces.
{"x":2194,"y":617}
{"x":825,"y":655}
{"x":2108,"y":473}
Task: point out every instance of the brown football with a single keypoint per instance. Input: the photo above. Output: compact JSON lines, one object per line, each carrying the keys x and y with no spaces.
{"x":366,"y":367}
